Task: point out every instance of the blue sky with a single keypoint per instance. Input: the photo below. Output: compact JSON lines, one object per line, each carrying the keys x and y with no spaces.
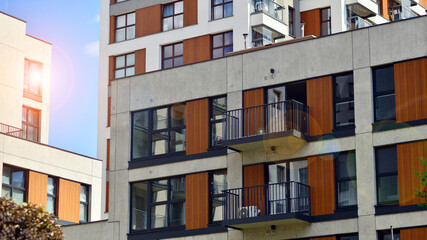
{"x":73,"y":29}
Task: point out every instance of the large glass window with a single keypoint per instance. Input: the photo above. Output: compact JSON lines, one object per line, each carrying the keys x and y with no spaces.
{"x":51,"y":195}
{"x":222,"y":44}
{"x":386,"y":171}
{"x":173,"y":15}
{"x":125,"y":65}
{"x":30,"y":124}
{"x":325,"y":21}
{"x":218,"y":107}
{"x":125,"y":27}
{"x":345,"y":174}
{"x":84,"y":203}
{"x":344,"y":100}
{"x":218,"y":182}
{"x":14,"y":183}
{"x":33,"y":78}
{"x":158,"y":131}
{"x":387,"y":235}
{"x":384,"y":101}
{"x":158,"y":204}
{"x":221,"y":8}
{"x":291,"y":21}
{"x":172,"y":55}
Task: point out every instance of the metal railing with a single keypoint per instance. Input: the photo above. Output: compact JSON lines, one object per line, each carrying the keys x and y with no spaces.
{"x":270,"y":8}
{"x":357,"y":22}
{"x":265,"y":119}
{"x":401,"y":12}
{"x":13,"y":131}
{"x":267,"y":200}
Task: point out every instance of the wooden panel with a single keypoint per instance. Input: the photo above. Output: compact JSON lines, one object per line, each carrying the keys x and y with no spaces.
{"x":190,"y":12}
{"x":112,"y":1}
{"x":197,"y":201}
{"x":109,"y":112}
{"x":254,"y":175}
{"x":407,"y":161}
{"x":312,"y":22}
{"x":37,"y":188}
{"x":423,"y":3}
{"x":107,"y":196}
{"x":112,"y":29}
{"x":111,"y":68}
{"x":321,"y":179}
{"x":319,"y":101}
{"x":384,"y":9}
{"x":423,"y":77}
{"x":68,"y":200}
{"x":408,"y":90}
{"x":148,"y":20}
{"x":197,"y":126}
{"x":197,"y":49}
{"x":140,"y":61}
{"x":254,"y":117}
{"x":324,"y":238}
{"x":413,"y":233}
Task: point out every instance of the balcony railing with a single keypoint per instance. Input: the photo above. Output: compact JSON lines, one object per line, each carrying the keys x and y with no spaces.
{"x":267,"y":200}
{"x":266,"y":119}
{"x":357,"y":22}
{"x":13,"y":131}
{"x":270,"y":8}
{"x":401,"y":12}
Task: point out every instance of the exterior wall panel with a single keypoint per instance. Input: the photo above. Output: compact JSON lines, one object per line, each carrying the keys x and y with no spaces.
{"x":423,"y":72}
{"x":197,"y":126}
{"x":197,"y":201}
{"x":255,"y":116}
{"x":319,"y":101}
{"x":68,"y":200}
{"x":413,"y":233}
{"x":197,"y":49}
{"x":312,"y":22}
{"x":190,"y":12}
{"x":148,"y":20}
{"x":254,"y":175}
{"x":140,"y":61}
{"x":37,"y":188}
{"x":112,"y":29}
{"x":321,"y":179}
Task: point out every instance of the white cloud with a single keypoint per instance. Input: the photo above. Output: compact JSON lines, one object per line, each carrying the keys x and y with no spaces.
{"x":92,"y":49}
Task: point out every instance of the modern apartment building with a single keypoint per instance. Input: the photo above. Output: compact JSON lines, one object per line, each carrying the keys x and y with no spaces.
{"x":65,"y":183}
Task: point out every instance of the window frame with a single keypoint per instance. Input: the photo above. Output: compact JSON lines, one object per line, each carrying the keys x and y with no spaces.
{"x":341,"y":237}
{"x":382,"y":233}
{"x":86,"y":203}
{"x":291,"y":13}
{"x":389,"y":174}
{"x":223,"y":3}
{"x":126,"y":27}
{"x":213,"y":196}
{"x":173,"y":57}
{"x":337,"y":100}
{"x":344,"y":179}
{"x":125,"y":67}
{"x":223,"y":46}
{"x":11,"y":186}
{"x":54,"y":195}
{"x":173,"y":15}
{"x":212,"y":121}
{"x":325,"y":21}
{"x":27,"y":124}
{"x":28,"y":92}
{"x":382,"y":93}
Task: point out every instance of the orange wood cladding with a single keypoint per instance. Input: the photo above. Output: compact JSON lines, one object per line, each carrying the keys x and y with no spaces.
{"x":197,"y":126}
{"x":197,"y":201}
{"x":112,"y":29}
{"x":37,"y":188}
{"x":413,"y":233}
{"x":148,"y":20}
{"x":319,"y":100}
{"x":423,"y":3}
{"x":68,"y":200}
{"x":190,"y":12}
{"x":384,"y":9}
{"x":140,"y":61}
{"x":107,"y":196}
{"x":109,"y":112}
{"x":407,"y":161}
{"x":324,"y":238}
{"x":197,"y":49}
{"x":255,"y":116}
{"x":408,"y":90}
{"x":254,"y":175}
{"x":312,"y":22}
{"x":423,"y":72}
{"x":112,"y":1}
{"x":321,"y":179}
{"x":111,"y":68}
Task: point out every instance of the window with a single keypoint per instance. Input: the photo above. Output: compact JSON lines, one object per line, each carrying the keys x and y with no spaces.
{"x":386,"y":234}
{"x":345,"y":175}
{"x":325,"y":21}
{"x":348,"y":237}
{"x":221,"y":8}
{"x":386,"y":171}
{"x":125,"y":65}
{"x":173,"y":15}
{"x":125,"y":27}
{"x":13,"y":184}
{"x":30,"y":124}
{"x":158,"y":131}
{"x":51,"y":195}
{"x":33,"y":78}
{"x":291,"y":21}
{"x":158,"y":204}
{"x":217,"y":183}
{"x":384,"y":101}
{"x":344,"y":100}
{"x":222,"y":44}
{"x":172,"y":55}
{"x":84,"y":203}
{"x":218,"y":107}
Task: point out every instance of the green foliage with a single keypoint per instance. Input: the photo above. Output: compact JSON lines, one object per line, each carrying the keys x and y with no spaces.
{"x":423,"y":181}
{"x":27,"y":221}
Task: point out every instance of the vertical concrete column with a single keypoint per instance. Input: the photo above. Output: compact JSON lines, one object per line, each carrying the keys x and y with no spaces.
{"x":363,"y":100}
{"x":234,"y":170}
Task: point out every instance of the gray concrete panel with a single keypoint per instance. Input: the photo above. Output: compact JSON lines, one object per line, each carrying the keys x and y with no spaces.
{"x":132,"y":5}
{"x":360,"y":39}
{"x":90,"y":231}
{"x":363,"y":100}
{"x":122,"y":153}
{"x":367,"y":223}
{"x":123,"y":93}
{"x":234,"y":73}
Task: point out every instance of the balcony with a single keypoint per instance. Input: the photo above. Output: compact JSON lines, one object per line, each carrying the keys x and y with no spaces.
{"x":265,"y":205}
{"x":357,"y":22}
{"x":270,"y":8}
{"x":9,"y":130}
{"x":265,"y":126}
{"x":400,"y":12}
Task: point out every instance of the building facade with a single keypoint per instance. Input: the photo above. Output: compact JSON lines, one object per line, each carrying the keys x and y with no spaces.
{"x":65,"y":183}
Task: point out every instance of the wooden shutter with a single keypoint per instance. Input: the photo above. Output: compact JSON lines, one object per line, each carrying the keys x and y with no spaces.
{"x":68,"y":200}
{"x":37,"y":188}
{"x":321,"y":179}
{"x":312,"y":22}
{"x":112,"y":29}
{"x":413,"y":233}
{"x":319,"y":101}
{"x":190,"y":12}
{"x":148,"y":20}
{"x":423,"y":72}
{"x":384,"y":9}
{"x":197,"y":201}
{"x":253,"y":117}
{"x":254,"y":175}
{"x":140,"y":61}
{"x":197,"y":126}
{"x":107,"y":196}
{"x":197,"y":49}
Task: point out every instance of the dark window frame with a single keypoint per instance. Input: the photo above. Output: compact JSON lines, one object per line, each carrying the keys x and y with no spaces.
{"x":212,"y":121}
{"x":213,"y":196}
{"x":381,"y":233}
{"x":28,"y":91}
{"x":173,"y":57}
{"x":173,"y":15}
{"x":27,"y":124}
{"x":223,"y":46}
{"x":125,"y":67}
{"x":11,"y":186}
{"x":382,"y":93}
{"x":344,"y":179}
{"x":389,"y":174}
{"x":86,"y":203}
{"x":126,"y":27}
{"x":341,"y":237}
{"x":54,"y":195}
{"x":291,"y":21}
{"x":337,"y":100}
{"x":223,"y":3}
{"x":325,"y":21}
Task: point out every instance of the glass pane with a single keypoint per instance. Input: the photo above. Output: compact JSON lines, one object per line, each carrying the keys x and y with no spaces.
{"x":160,"y":118}
{"x":120,"y":21}
{"x":344,"y":86}
{"x":130,"y":59}
{"x":24,"y":114}
{"x":228,"y":10}
{"x":50,"y":204}
{"x":325,"y":29}
{"x":167,"y":23}
{"x":178,"y":21}
{"x":139,"y":143}
{"x":217,"y":53}
{"x":18,"y":196}
{"x":384,"y":78}
{"x":177,"y":141}
{"x":51,"y":186}
{"x":354,"y":237}
{"x":298,"y":171}
{"x":177,"y":188}
{"x":131,"y":19}
{"x":120,"y":62}
{"x":217,"y":41}
{"x":5,"y":191}
{"x":227,"y":50}
{"x":130,"y":32}
{"x":385,"y":108}
{"x":33,"y":116}
{"x":228,"y":38}
{"x":158,"y":216}
{"x":167,"y":10}
{"x":167,"y":63}
{"x":386,"y":235}
{"x":167,"y":51}
{"x":346,"y":165}
{"x":130,"y":71}
{"x":217,"y":12}
{"x":30,"y":133}
{"x":217,"y":134}
{"x":178,"y":115}
{"x":179,"y":7}
{"x":139,"y":206}
{"x":386,"y":159}
{"x":217,"y":2}
{"x":344,"y":114}
{"x":6,"y":175}
{"x":177,"y":214}
{"x":119,"y":73}
{"x":219,"y":182}
{"x":18,"y":179}
{"x":120,"y":34}
{"x":178,"y":49}
{"x":347,"y":193}
{"x":217,"y":208}
{"x":178,"y":61}
{"x":219,"y":106}
{"x":83,"y":193}
{"x":326,"y":14}
{"x":83,"y":213}
{"x":159,"y":143}
{"x":159,"y":191}
{"x":387,"y":188}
